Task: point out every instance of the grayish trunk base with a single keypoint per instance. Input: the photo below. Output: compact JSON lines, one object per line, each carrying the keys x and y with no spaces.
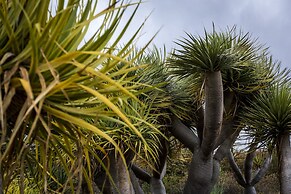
{"x":200,"y":175}
{"x":157,"y":186}
{"x":285,"y":163}
{"x":250,"y":190}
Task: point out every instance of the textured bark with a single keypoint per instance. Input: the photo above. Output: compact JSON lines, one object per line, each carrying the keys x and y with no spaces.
{"x":123,"y":178}
{"x":213,"y":112}
{"x":220,"y":153}
{"x":200,"y":174}
{"x":95,"y":188}
{"x":227,"y":131}
{"x":248,"y":165}
{"x":119,"y":180}
{"x":161,"y":164}
{"x":247,"y":181}
{"x":156,"y":183}
{"x":215,"y":173}
{"x":200,"y":123}
{"x":285,"y":163}
{"x":190,"y":140}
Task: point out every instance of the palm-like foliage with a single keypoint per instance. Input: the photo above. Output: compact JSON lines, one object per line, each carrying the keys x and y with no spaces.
{"x":270,"y":114}
{"x":269,"y":120}
{"x":56,"y":89}
{"x":245,"y":66}
{"x":215,"y":51}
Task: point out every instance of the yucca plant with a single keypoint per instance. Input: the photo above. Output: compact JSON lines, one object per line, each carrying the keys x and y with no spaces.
{"x":218,"y":71}
{"x":269,"y":119}
{"x":57,"y":87}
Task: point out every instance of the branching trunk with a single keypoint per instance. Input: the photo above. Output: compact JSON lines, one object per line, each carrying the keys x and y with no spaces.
{"x":285,"y":163}
{"x":203,"y":171}
{"x":247,"y":181}
{"x":237,"y":172}
{"x":157,"y":186}
{"x":262,"y":171}
{"x":248,"y":165}
{"x":123,"y":178}
{"x":221,"y":152}
{"x":155,"y":181}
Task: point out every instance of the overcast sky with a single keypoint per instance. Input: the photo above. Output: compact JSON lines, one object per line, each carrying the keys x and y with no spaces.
{"x":268,"y":20}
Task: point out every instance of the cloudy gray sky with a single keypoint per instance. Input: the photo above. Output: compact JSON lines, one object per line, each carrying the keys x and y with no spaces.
{"x":268,"y":20}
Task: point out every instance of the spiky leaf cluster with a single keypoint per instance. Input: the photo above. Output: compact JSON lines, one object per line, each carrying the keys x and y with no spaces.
{"x":269,"y":117}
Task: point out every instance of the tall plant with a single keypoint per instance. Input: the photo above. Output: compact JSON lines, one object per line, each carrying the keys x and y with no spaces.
{"x":219,"y":71}
{"x":57,"y":89}
{"x":270,"y":121}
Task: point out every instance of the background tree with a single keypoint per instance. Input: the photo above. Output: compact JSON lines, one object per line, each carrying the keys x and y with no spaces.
{"x":248,"y":179}
{"x":270,"y":119}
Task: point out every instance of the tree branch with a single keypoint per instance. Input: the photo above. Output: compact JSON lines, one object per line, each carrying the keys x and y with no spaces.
{"x":248,"y":165}
{"x":237,"y":172}
{"x":157,"y":186}
{"x":185,"y":135}
{"x":141,"y":174}
{"x":227,"y":130}
{"x":262,"y":171}
{"x":200,"y":123}
{"x":160,"y":165}
{"x":225,"y":146}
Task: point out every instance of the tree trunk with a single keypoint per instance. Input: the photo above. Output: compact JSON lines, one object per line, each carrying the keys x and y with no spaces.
{"x":157,"y":186}
{"x":122,"y":180}
{"x":136,"y":186}
{"x":213,"y":113}
{"x":203,"y":172}
{"x":118,"y":181}
{"x":250,"y":190}
{"x":200,"y":174}
{"x":285,"y":163}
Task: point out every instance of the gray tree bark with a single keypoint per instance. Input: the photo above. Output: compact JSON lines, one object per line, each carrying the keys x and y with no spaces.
{"x":200,"y":174}
{"x":118,"y":180}
{"x":124,"y":182}
{"x":285,"y":163}
{"x":201,"y":169}
{"x":250,"y":190}
{"x":157,"y":186}
{"x":213,"y":113}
